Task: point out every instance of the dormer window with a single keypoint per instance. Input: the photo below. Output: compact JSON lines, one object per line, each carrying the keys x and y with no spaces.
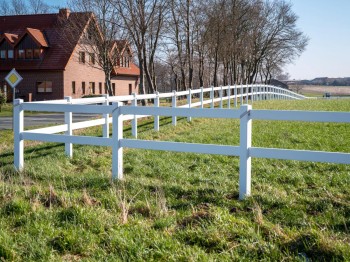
{"x":29,"y":53}
{"x":3,"y":54}
{"x":36,"y":54}
{"x":10,"y":54}
{"x":21,"y":54}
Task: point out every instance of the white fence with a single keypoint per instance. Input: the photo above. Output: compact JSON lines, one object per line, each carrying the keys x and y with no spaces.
{"x":120,"y":113}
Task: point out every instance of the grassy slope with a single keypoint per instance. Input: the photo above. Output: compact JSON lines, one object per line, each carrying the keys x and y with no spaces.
{"x":174,"y":206}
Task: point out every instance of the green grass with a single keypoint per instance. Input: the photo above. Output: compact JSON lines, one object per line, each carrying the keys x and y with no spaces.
{"x":177,"y":206}
{"x":7,"y":111}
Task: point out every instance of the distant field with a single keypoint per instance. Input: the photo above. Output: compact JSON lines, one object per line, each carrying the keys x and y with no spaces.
{"x":311,"y":90}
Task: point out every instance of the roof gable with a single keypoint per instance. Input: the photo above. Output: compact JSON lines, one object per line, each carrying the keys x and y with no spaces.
{"x":9,"y":38}
{"x":36,"y":35}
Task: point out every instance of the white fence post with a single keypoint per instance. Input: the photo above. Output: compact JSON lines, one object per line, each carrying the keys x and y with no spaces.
{"x":134,"y":120}
{"x":229,"y":97}
{"x":117,"y":135}
{"x":241,"y":97}
{"x":272,"y":93}
{"x":202,"y":97}
{"x":106,"y":117}
{"x":18,"y":119}
{"x":212,"y":96}
{"x":189,"y":102}
{"x":235,"y":92}
{"x":245,"y":159}
{"x":247,"y":92}
{"x":156,"y":118}
{"x":174,"y":106}
{"x":221,"y":97}
{"x":68,"y":120}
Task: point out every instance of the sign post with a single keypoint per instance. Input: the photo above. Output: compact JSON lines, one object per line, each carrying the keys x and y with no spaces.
{"x":13,"y":79}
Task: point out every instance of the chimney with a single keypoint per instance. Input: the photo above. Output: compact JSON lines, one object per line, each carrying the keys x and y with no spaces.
{"x":64,"y":12}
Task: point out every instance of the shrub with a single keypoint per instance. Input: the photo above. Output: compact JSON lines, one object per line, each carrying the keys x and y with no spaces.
{"x":2,"y":100}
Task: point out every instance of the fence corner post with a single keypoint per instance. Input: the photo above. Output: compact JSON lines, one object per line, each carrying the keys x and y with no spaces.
{"x":189,"y":102}
{"x":134,"y":120}
{"x":245,"y":159}
{"x":156,"y":117}
{"x":18,"y":143}
{"x":117,"y":149}
{"x":106,"y":117}
{"x":173,"y":104}
{"x":68,"y":120}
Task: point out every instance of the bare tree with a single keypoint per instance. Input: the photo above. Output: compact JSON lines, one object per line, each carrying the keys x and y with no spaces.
{"x":5,"y":7}
{"x":20,"y":7}
{"x":38,"y":7}
{"x":143,"y":20}
{"x":99,"y":38}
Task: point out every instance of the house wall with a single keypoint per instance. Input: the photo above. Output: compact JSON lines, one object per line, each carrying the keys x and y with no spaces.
{"x":29,"y":84}
{"x":123,"y":82}
{"x":79,"y":73}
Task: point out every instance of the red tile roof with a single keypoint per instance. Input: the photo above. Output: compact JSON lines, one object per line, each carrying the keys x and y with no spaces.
{"x":38,"y":36}
{"x":133,"y":70}
{"x":11,"y":38}
{"x":48,"y":31}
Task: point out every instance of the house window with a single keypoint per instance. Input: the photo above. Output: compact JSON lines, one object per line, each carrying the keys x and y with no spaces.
{"x":36,"y":54}
{"x":73,"y":87}
{"x":3,"y":54}
{"x":92,"y":58}
{"x":130,"y":89}
{"x":21,"y":54}
{"x":29,"y":53}
{"x":127,"y":62}
{"x":100,"y":87}
{"x":83,"y":87}
{"x":10,"y":54}
{"x":44,"y":87}
{"x":92,"y":87}
{"x":106,"y":91}
{"x":82,"y":57}
{"x":113,"y":88}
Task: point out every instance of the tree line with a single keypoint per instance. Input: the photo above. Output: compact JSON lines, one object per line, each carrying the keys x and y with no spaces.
{"x":181,"y":44}
{"x":22,"y":7}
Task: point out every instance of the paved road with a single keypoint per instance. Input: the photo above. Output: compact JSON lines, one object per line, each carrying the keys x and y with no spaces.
{"x":43,"y":119}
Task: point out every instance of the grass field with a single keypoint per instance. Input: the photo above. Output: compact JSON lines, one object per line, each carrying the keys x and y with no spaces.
{"x":180,"y":207}
{"x":318,"y":91}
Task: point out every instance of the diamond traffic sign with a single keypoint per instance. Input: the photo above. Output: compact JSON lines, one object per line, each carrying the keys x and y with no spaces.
{"x":13,"y":78}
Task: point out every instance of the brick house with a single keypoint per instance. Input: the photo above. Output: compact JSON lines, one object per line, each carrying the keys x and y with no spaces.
{"x":53,"y":66}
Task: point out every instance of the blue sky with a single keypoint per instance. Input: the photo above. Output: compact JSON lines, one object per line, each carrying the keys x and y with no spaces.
{"x":327,"y":23}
